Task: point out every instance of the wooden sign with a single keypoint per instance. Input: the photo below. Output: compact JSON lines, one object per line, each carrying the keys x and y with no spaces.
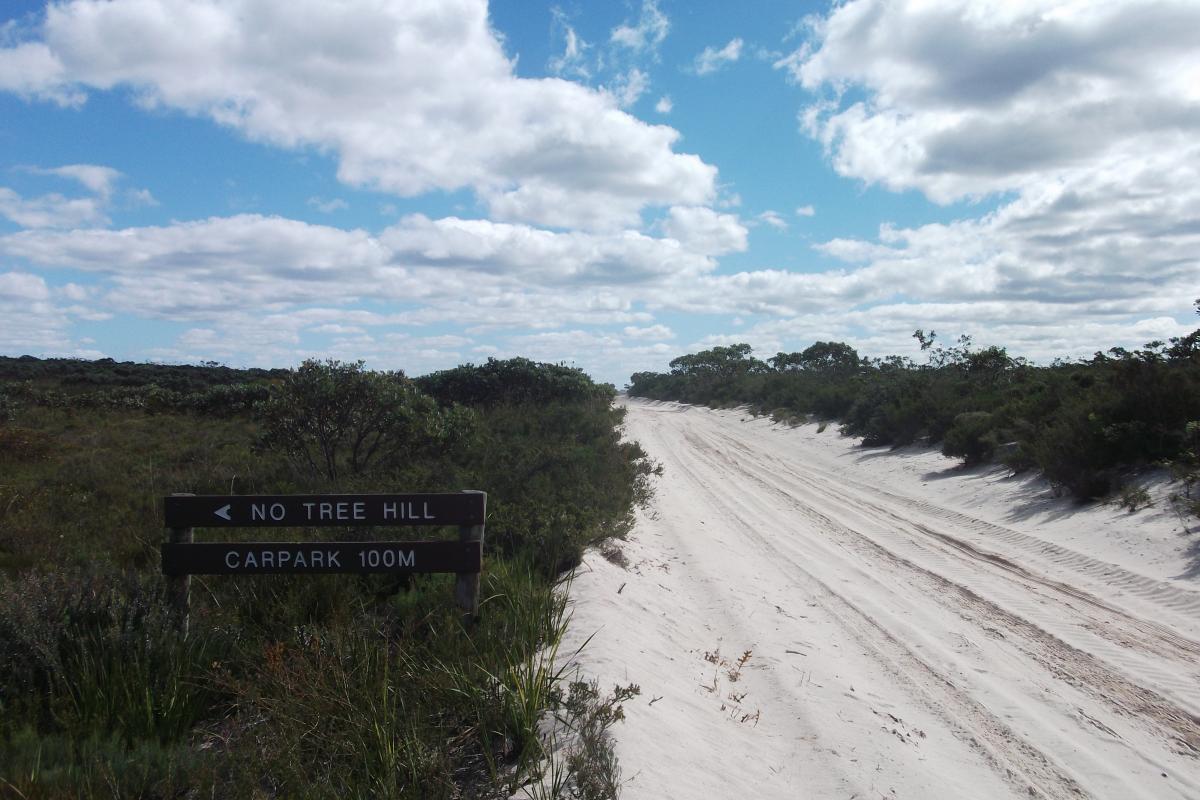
{"x":183,"y":557}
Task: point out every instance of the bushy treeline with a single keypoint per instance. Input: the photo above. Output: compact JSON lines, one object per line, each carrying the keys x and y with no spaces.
{"x":296,"y":686}
{"x":515,"y":380}
{"x":1083,"y":424}
{"x":75,"y":374}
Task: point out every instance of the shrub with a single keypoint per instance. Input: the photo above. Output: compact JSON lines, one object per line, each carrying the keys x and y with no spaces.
{"x":515,"y":380}
{"x":334,"y":419}
{"x":971,"y":437}
{"x":1134,"y":498}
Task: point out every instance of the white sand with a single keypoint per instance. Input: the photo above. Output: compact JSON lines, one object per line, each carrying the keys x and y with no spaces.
{"x":913,"y":629}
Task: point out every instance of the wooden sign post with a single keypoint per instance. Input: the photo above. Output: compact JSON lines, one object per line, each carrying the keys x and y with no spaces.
{"x":182,"y":556}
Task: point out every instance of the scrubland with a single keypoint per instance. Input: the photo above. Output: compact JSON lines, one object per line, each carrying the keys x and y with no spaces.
{"x":296,"y":686}
{"x":1087,"y":426}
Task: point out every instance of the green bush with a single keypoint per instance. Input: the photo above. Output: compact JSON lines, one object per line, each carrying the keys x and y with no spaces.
{"x":972,"y":437}
{"x":338,"y":420}
{"x":511,"y":381}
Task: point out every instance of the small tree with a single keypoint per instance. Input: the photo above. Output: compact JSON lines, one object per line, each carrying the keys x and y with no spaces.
{"x":336,"y":419}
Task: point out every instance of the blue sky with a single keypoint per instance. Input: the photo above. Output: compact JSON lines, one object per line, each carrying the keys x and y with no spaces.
{"x":610,"y":185}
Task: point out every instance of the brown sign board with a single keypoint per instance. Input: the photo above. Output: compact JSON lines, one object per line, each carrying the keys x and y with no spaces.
{"x":278,"y":511}
{"x":257,"y":558}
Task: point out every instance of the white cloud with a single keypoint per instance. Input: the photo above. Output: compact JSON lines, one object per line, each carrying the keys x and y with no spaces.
{"x":729,"y":200}
{"x":328,"y":206}
{"x":712,"y":59}
{"x":455,"y":271}
{"x":141,"y":197}
{"x":1087,"y":127}
{"x":630,"y":86}
{"x":32,"y":321}
{"x":422,"y":98}
{"x":51,"y":210}
{"x":55,"y":210}
{"x":98,"y":179}
{"x":1086,"y":116}
{"x":31,"y":69}
{"x":664,"y":105}
{"x":652,"y":332}
{"x":647,"y":33}
{"x":703,"y":230}
{"x":73,"y":291}
{"x":545,"y":257}
{"x":21,"y":287}
{"x":963,"y":99}
{"x":572,"y":61}
{"x":774,"y":219}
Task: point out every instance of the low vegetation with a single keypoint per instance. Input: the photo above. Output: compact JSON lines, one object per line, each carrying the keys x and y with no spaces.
{"x":295,"y":686}
{"x":1087,"y":425}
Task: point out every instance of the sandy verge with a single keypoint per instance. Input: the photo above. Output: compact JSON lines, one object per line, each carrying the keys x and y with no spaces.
{"x":808,"y":618}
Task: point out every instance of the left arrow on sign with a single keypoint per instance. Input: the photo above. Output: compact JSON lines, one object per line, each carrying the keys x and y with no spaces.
{"x":223,"y":512}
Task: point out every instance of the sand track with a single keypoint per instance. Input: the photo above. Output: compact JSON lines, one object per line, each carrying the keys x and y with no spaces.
{"x":803,"y":624}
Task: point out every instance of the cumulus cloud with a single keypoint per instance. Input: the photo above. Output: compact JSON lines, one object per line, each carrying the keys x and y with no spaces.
{"x":1079,"y":121}
{"x":664,"y":105}
{"x":410,"y":97}
{"x":965,"y":99}
{"x":703,"y":230}
{"x":713,"y":59}
{"x":33,"y":321}
{"x":1083,"y":118}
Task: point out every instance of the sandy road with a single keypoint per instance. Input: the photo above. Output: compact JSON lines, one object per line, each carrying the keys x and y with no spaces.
{"x":806,"y":624}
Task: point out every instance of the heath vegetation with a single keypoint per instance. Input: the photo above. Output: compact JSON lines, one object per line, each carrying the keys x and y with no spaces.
{"x":295,"y":686}
{"x":1085,"y":425}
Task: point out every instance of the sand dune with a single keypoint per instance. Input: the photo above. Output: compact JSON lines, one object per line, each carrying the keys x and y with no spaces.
{"x":807,"y":618}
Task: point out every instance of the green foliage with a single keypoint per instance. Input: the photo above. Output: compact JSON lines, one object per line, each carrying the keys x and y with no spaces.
{"x":835,"y":357}
{"x":512,"y":381}
{"x":335,"y":420}
{"x":558,"y":481}
{"x":296,"y":686}
{"x":99,"y":652}
{"x":40,"y":766}
{"x":972,"y":437}
{"x":74,"y":375}
{"x":1081,"y":424}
